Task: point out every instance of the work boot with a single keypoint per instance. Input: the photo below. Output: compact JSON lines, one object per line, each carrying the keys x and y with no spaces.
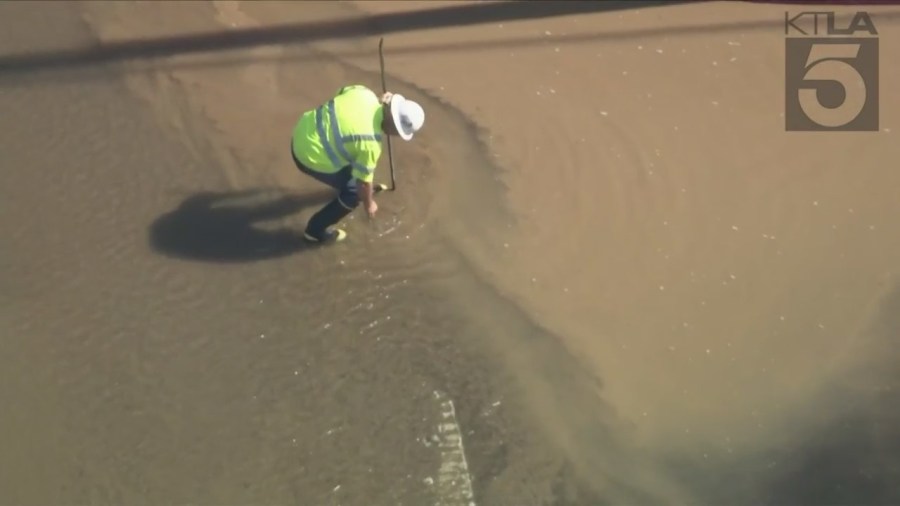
{"x":330,"y":236}
{"x":317,"y":229}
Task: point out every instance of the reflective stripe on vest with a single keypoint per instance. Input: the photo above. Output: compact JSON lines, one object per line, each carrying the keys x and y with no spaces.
{"x":340,"y":140}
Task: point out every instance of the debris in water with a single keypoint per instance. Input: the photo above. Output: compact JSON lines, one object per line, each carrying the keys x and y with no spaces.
{"x":660,"y":51}
{"x":262,"y":336}
{"x":604,"y":113}
{"x":429,"y":481}
{"x":496,"y":404}
{"x":734,"y":227}
{"x":336,"y":488}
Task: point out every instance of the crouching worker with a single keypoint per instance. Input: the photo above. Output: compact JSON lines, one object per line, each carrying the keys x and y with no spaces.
{"x":339,"y":144}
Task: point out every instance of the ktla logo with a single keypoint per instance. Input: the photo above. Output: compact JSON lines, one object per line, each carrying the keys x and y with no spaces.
{"x":831,"y":72}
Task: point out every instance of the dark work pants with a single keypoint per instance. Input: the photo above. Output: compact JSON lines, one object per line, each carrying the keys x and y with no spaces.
{"x":346,"y":201}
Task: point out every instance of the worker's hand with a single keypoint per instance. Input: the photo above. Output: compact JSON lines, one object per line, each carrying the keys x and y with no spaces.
{"x":386,"y":97}
{"x":372,"y":208}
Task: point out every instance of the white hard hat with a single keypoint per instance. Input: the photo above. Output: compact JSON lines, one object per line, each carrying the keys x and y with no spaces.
{"x":408,"y":116}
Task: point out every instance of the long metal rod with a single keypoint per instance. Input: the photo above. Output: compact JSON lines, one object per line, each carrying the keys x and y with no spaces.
{"x":384,"y":88}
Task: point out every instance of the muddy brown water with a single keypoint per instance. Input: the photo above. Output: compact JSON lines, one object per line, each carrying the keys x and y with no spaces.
{"x":167,"y":339}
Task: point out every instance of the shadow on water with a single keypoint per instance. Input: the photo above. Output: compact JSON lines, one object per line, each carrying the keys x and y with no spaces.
{"x":229,"y":226}
{"x":855,"y":459}
{"x":852,"y":462}
{"x":845,"y":450}
{"x":378,"y":24}
{"x":217,"y":47}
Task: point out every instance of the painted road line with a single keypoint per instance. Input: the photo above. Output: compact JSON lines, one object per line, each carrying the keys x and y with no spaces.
{"x":454,"y":485}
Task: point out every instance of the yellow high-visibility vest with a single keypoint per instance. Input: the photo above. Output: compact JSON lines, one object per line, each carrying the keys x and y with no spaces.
{"x":344,"y":131}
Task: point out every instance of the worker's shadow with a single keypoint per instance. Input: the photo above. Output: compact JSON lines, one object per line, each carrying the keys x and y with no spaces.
{"x":230,"y":226}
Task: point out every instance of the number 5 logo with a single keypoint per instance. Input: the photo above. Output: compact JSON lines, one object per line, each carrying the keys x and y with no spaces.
{"x":827,"y":62}
{"x":831,"y":84}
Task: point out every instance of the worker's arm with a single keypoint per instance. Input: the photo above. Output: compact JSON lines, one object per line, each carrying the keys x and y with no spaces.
{"x":366,"y":193}
{"x":363,"y":170}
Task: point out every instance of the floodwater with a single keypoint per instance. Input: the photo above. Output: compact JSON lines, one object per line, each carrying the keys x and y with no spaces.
{"x":651,"y":295}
